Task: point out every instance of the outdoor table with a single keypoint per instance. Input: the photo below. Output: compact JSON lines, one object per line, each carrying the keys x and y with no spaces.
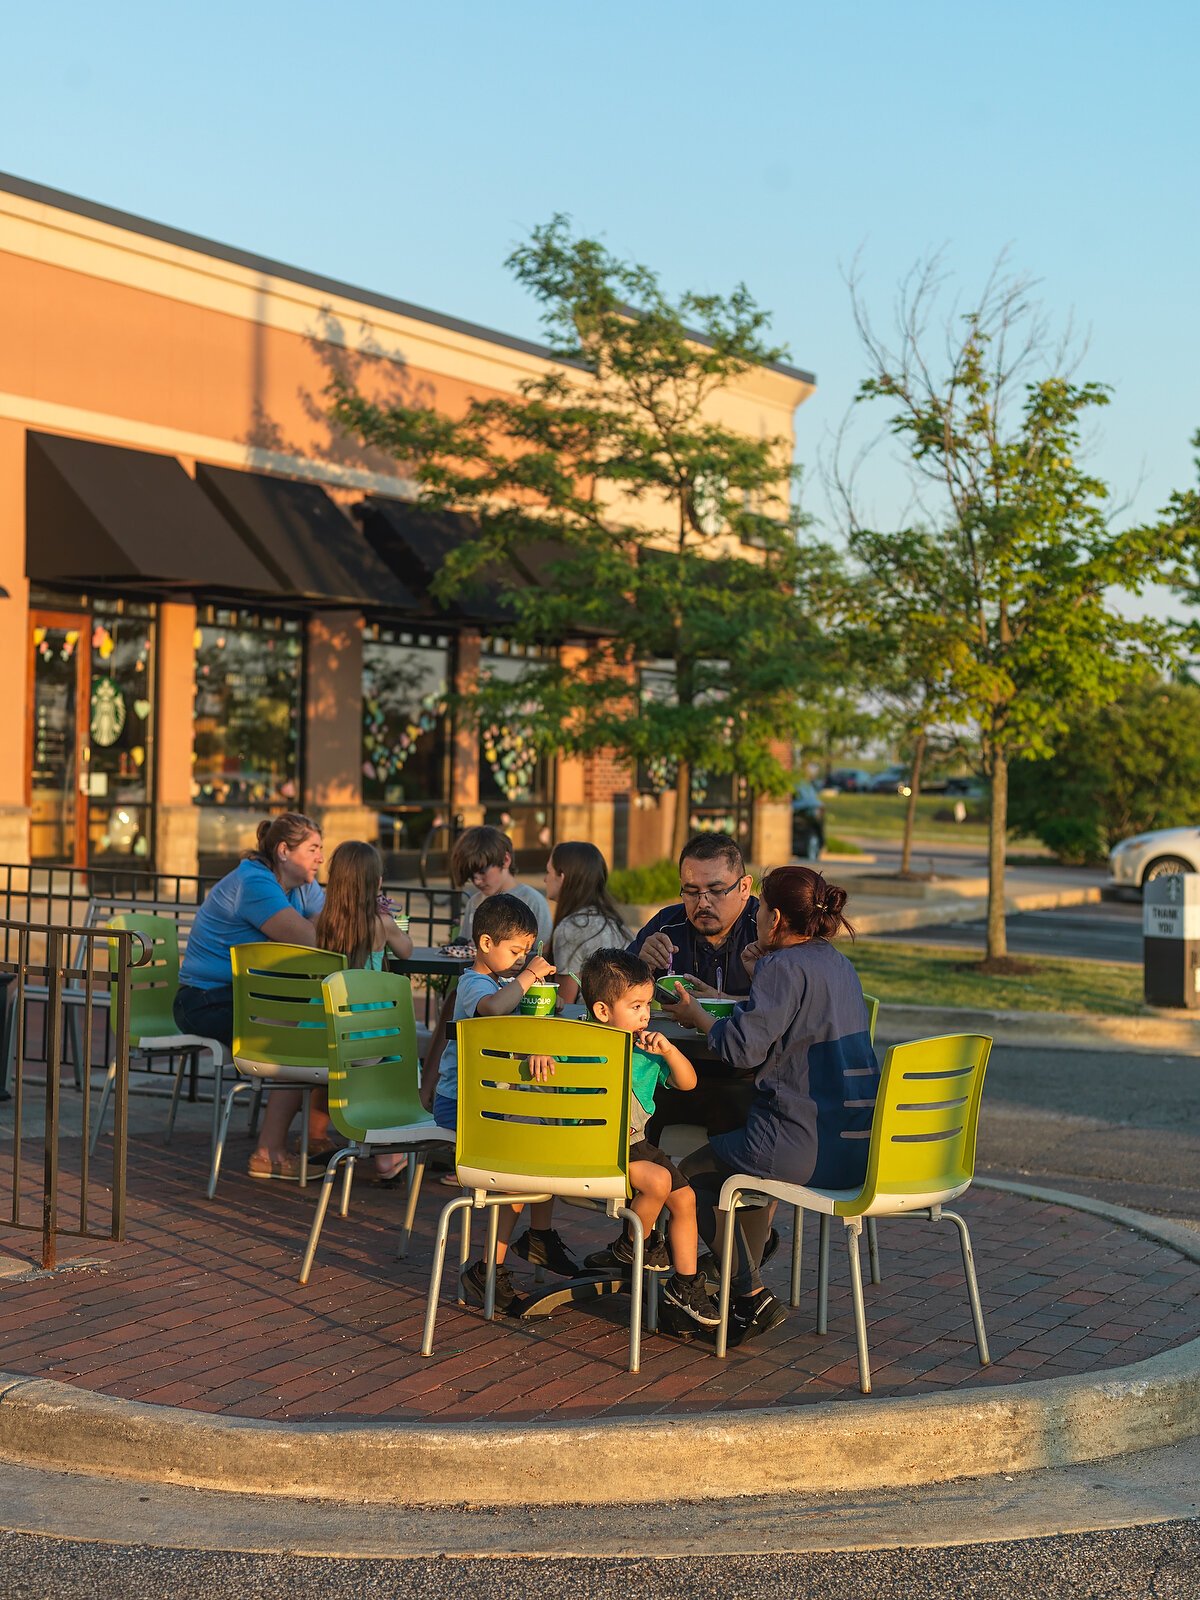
{"x":429,"y":962}
{"x":433,"y":963}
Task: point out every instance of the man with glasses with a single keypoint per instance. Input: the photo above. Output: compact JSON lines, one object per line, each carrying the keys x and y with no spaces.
{"x":704,"y":934}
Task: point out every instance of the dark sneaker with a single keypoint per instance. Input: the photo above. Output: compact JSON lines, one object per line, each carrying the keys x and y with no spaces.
{"x":708,"y":1264}
{"x":474,"y":1284}
{"x":690,"y":1296}
{"x":543,"y":1247}
{"x":619,"y":1255}
{"x":753,"y":1314}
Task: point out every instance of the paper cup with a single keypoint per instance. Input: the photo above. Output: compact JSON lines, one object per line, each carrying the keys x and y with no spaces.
{"x":716,"y":1008}
{"x":539,"y":1000}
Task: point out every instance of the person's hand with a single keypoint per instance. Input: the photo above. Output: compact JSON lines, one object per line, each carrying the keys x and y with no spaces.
{"x":688,"y":1012}
{"x":540,"y":968}
{"x":658,"y":952}
{"x":705,"y":989}
{"x":751,"y":956}
{"x":652,"y":1042}
{"x":541,"y":1068}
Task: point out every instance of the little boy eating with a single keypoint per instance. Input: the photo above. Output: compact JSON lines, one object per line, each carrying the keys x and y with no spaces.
{"x":617,"y":989}
{"x":503,"y":971}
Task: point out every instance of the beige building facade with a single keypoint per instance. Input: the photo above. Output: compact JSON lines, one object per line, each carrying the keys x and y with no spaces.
{"x":217,"y":605}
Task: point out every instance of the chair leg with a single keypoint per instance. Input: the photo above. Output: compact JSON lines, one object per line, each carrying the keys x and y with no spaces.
{"x":222,"y":1134}
{"x":823,"y":1276}
{"x":968,"y":1257}
{"x":218,"y":1095}
{"x":727,"y":1276}
{"x":255,"y":1110}
{"x":873,"y":1250}
{"x":416,"y":1171}
{"x":651,"y":1318}
{"x":797,"y":1251}
{"x":105,"y":1096}
{"x":347,"y":1180}
{"x":305,"y":1112}
{"x":489,"y":1292}
{"x":462,"y":1203}
{"x":318,"y":1222}
{"x":637,"y":1276}
{"x":464,"y":1251}
{"x":179,"y":1071}
{"x":860,"y":1310}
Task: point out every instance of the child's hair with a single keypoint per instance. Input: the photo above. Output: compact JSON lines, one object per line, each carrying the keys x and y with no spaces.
{"x":806,"y":904}
{"x":348,"y":919}
{"x":585,"y":883}
{"x":715,"y":847}
{"x":477,"y":849}
{"x":608,"y":974}
{"x":290,"y":828}
{"x":502,"y":915}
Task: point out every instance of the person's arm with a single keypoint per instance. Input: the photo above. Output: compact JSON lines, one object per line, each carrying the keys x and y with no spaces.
{"x":745,"y":1039}
{"x":508,"y":997}
{"x":395,"y":939}
{"x":683,"y":1073}
{"x":287,"y":926}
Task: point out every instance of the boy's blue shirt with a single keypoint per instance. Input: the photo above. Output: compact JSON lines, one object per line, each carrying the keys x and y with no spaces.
{"x":472,"y":987}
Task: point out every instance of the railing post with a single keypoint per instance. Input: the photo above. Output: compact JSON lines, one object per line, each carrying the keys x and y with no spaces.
{"x":120,"y":1030}
{"x":54,"y":977}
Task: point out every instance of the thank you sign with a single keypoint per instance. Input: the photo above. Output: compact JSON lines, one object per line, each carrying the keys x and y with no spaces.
{"x":1171,"y":940}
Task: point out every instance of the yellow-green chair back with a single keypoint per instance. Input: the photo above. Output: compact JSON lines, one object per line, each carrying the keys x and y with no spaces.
{"x":152,"y":987}
{"x":926,"y":1117}
{"x":279,"y":1010}
{"x":569,"y":1136}
{"x":872,"y":1014}
{"x":371,"y":1043}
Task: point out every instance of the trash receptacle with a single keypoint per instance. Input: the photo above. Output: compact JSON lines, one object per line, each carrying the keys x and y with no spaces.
{"x":1171,"y":940}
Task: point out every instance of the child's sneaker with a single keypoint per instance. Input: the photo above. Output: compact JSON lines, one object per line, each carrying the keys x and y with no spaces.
{"x":620,"y":1254}
{"x":690,"y":1296}
{"x":543,"y":1247}
{"x":474,"y":1286}
{"x":753,"y":1314}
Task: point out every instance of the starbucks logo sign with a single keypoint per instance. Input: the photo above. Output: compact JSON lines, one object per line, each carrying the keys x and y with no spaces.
{"x":108,"y":712}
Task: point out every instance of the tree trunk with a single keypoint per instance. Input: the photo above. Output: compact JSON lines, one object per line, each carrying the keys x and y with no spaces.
{"x":910,"y":814}
{"x":997,"y":937}
{"x":682,"y":831}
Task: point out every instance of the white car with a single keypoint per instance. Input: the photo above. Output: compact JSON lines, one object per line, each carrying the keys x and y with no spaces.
{"x":1134,"y":862}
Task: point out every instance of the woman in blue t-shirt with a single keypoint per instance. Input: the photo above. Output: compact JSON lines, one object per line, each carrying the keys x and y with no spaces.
{"x":273,"y":894}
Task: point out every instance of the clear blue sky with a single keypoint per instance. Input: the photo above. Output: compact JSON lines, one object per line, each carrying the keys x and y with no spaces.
{"x":406,"y":148}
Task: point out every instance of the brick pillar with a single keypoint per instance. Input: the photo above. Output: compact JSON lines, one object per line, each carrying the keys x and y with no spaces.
{"x":333,"y":729}
{"x":14,"y":649}
{"x":464,"y":766}
{"x":177,"y":822}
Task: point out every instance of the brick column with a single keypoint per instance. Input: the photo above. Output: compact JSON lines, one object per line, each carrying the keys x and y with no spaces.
{"x":14,"y":649}
{"x":176,"y":820}
{"x":333,"y":729}
{"x":464,"y":765}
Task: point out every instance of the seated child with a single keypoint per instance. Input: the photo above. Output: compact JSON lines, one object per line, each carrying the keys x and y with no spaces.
{"x":617,"y":989}
{"x":483,"y":857}
{"x":504,"y":932}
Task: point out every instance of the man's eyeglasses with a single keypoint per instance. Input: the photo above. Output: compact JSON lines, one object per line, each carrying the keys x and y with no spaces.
{"x":716,"y":894}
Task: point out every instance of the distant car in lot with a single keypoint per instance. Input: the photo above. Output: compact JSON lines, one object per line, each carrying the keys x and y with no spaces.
{"x":966,"y":788}
{"x":892,"y":780}
{"x":849,"y":780}
{"x":1138,"y":861}
{"x":808,"y":823}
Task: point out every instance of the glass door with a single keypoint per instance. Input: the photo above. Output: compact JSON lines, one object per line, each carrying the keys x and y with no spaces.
{"x":59,"y":670}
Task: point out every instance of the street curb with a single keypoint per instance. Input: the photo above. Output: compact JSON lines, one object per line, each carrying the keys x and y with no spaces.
{"x":1048,"y":1030}
{"x":958,"y":908}
{"x":824,"y":1447}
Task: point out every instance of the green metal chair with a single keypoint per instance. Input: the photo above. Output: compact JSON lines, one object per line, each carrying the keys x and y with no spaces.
{"x":278,"y":1029}
{"x":511,"y":1146}
{"x":922,"y":1154}
{"x":374,"y":1083}
{"x":152,"y":1026}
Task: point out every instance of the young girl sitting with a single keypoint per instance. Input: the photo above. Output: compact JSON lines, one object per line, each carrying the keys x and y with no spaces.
{"x":351,"y":922}
{"x":586,"y":917}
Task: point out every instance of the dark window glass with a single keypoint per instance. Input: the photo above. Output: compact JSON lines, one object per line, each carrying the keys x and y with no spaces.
{"x":405,"y":736}
{"x":515,"y":783}
{"x":121,"y":737}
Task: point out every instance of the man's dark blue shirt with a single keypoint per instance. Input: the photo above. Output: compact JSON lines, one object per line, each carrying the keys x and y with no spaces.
{"x":700,"y":958}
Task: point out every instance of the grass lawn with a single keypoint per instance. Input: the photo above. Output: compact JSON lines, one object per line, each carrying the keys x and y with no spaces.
{"x":928,"y":975}
{"x":881,"y":816}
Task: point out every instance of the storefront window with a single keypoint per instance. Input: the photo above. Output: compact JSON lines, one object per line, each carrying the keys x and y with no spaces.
{"x":720,"y":801}
{"x":515,"y":783}
{"x":405,"y":738}
{"x":121,"y":736}
{"x":246,"y":757}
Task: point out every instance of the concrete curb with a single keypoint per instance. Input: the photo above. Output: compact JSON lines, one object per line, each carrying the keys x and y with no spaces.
{"x":1049,"y":1030}
{"x":963,"y":908}
{"x":828,"y":1446}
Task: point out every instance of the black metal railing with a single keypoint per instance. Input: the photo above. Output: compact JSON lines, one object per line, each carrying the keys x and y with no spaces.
{"x":65,"y":967}
{"x":61,"y":895}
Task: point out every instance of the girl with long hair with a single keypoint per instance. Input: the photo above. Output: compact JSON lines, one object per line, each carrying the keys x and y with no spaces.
{"x":804,"y":1034}
{"x":586,"y":917}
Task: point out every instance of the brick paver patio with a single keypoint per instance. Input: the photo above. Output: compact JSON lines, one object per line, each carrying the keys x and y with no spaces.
{"x":201,"y":1307}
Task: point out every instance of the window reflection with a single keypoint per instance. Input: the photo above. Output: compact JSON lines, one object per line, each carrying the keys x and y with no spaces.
{"x":405,"y":736}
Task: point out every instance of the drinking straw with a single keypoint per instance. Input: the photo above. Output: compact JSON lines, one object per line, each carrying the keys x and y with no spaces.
{"x":719,"y":976}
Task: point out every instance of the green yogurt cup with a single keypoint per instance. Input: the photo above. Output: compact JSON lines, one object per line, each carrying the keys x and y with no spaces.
{"x":716,"y":1008}
{"x":539,"y":1000}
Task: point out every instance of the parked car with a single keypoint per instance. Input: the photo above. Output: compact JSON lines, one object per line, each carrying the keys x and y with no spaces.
{"x":849,"y":780}
{"x":892,"y":780}
{"x":808,"y":823}
{"x":1137,"y":861}
{"x":970,"y":788}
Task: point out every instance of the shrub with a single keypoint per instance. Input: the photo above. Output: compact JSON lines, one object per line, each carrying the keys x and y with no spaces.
{"x":638,"y":886}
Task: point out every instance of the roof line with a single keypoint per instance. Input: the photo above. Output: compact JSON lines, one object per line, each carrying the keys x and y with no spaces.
{"x":42,"y":194}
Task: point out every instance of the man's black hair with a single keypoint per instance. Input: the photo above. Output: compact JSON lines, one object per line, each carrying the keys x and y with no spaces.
{"x":714,"y":847}
{"x":608,"y":974}
{"x":502,"y":915}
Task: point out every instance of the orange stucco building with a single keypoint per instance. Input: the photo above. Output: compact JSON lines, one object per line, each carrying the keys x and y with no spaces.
{"x":217,"y":605}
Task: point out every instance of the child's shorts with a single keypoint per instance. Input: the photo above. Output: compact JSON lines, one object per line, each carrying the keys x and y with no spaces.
{"x":643,"y":1150}
{"x":445,"y":1111}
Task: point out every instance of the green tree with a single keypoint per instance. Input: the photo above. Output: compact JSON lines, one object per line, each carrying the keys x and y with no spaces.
{"x":661,"y":537}
{"x":1016,"y":571}
{"x":1127,"y":768}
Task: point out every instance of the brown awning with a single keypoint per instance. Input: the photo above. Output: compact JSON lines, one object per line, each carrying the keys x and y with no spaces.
{"x":415,"y":540}
{"x":305,"y":539}
{"x":98,"y":513}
